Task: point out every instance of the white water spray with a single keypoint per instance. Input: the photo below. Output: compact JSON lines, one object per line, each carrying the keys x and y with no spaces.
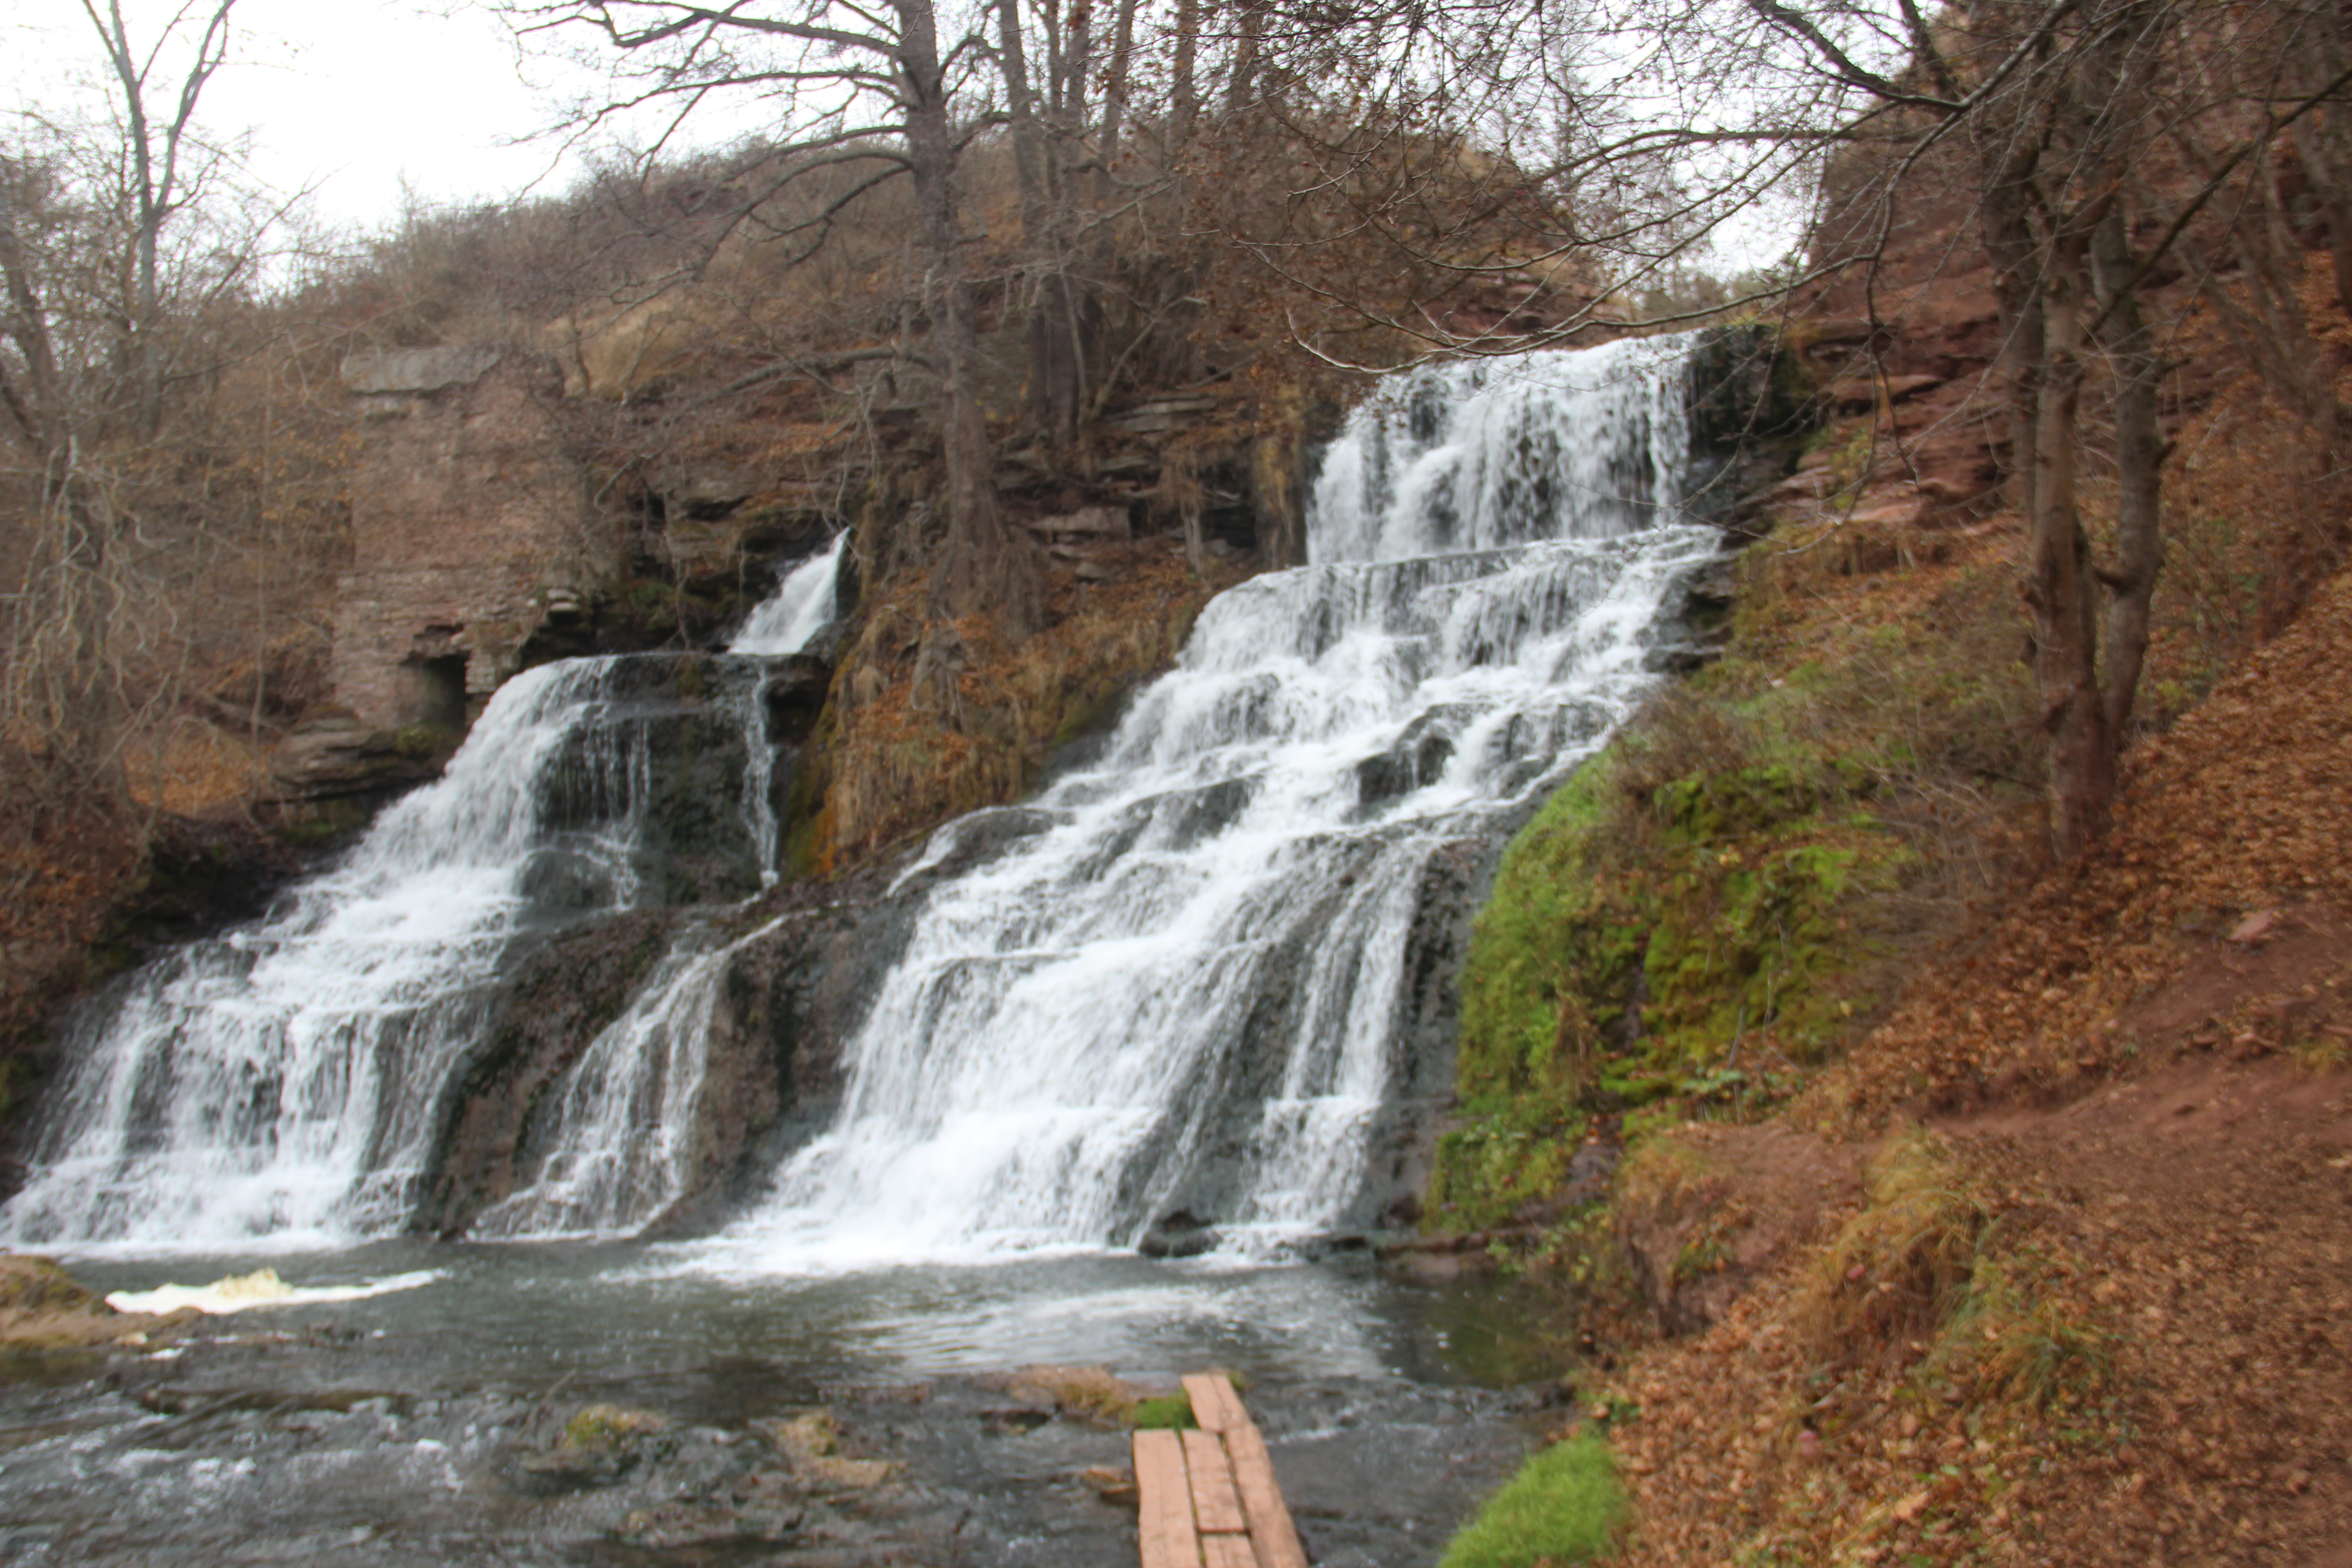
{"x":1188,"y":992}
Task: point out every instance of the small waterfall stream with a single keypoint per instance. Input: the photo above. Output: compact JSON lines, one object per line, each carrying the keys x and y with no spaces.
{"x":803,"y":604}
{"x":1187,"y":986}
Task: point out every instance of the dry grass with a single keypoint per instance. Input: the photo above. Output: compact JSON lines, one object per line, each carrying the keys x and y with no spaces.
{"x":981,"y":733}
{"x":1883,"y":1398}
{"x":1896,"y":1270}
{"x":1090,"y":1393}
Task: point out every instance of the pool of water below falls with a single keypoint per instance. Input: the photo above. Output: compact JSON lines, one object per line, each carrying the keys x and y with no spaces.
{"x":427,"y":1425}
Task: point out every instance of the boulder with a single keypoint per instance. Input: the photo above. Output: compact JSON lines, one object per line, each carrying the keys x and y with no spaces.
{"x":338,"y":758}
{"x":379,"y":372}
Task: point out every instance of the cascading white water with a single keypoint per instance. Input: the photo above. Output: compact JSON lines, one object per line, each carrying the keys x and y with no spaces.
{"x":1495,"y":452}
{"x":1186,"y":991}
{"x":617,"y":1130}
{"x":621,"y":1121}
{"x":803,"y":604}
{"x":280,"y":1083}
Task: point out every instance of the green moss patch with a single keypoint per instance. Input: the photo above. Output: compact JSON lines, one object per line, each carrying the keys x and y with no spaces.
{"x":1720,"y":897}
{"x":1562,"y":1507}
{"x":1170,"y":1411}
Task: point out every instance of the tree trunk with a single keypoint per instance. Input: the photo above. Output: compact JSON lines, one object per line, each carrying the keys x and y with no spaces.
{"x":1241,"y":87}
{"x":986,"y":568}
{"x":2059,"y":588}
{"x":1185,"y":94}
{"x":2140,"y":449}
{"x":2324,"y":141}
{"x":1052,"y":391}
{"x":2009,"y":238}
{"x":1028,"y":152}
{"x":1114,"y":114}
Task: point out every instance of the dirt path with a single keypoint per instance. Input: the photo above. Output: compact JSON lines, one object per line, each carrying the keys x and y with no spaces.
{"x":2212,"y":1207}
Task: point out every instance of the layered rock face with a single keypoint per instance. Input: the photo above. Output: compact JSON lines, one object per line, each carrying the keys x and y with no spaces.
{"x":471,"y":525}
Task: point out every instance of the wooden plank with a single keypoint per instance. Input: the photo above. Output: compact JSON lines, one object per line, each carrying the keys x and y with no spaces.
{"x":1165,"y":1529}
{"x":1271,"y":1532}
{"x":1228,"y":1552}
{"x":1215,"y":1405}
{"x":1216,"y":1506}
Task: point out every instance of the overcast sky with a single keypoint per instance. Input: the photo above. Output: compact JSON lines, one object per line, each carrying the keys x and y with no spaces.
{"x":348,"y":96}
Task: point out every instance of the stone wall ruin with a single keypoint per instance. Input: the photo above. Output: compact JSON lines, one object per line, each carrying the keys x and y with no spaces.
{"x":471,"y":525}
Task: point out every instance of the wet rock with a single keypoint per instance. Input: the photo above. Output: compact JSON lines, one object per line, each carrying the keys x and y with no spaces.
{"x":1337,"y":1243}
{"x":810,"y":1440}
{"x":558,"y":999}
{"x":679,"y":1526}
{"x":1017,"y":1420}
{"x":1178,"y":1235}
{"x":599,"y":1447}
{"x":1093,"y":1393}
{"x":43,"y":1308}
{"x":1113,"y":1485}
{"x":1415,"y":762}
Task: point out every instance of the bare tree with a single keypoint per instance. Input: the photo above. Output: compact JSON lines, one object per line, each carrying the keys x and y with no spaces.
{"x":882,"y":91}
{"x":103,"y":272}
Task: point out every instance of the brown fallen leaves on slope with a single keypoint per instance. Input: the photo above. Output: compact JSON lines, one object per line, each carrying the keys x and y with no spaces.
{"x":2246,"y":806}
{"x":2147,"y":1361}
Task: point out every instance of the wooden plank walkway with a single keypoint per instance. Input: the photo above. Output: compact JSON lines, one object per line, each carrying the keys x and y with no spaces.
{"x":1209,"y":1497}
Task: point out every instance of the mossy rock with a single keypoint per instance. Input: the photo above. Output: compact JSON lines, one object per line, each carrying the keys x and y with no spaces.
{"x":31,"y":1284}
{"x":610,"y":1426}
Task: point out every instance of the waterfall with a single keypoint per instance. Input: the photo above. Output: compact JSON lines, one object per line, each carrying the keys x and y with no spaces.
{"x":621,"y":1122}
{"x":802,"y":606}
{"x":1508,"y":451}
{"x":1194,"y":989}
{"x":282,"y":1082}
{"x":1186,"y":994}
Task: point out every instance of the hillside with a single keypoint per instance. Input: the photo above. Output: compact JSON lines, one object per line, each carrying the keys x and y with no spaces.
{"x":2086,"y":1305}
{"x":1911,"y":1057}
{"x":1972,"y":1207}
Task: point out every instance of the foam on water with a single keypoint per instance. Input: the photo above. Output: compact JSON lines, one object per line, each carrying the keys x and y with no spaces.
{"x":247,"y":1292}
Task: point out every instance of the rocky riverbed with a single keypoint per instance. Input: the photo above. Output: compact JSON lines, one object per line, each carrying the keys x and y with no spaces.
{"x":390,"y":1431}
